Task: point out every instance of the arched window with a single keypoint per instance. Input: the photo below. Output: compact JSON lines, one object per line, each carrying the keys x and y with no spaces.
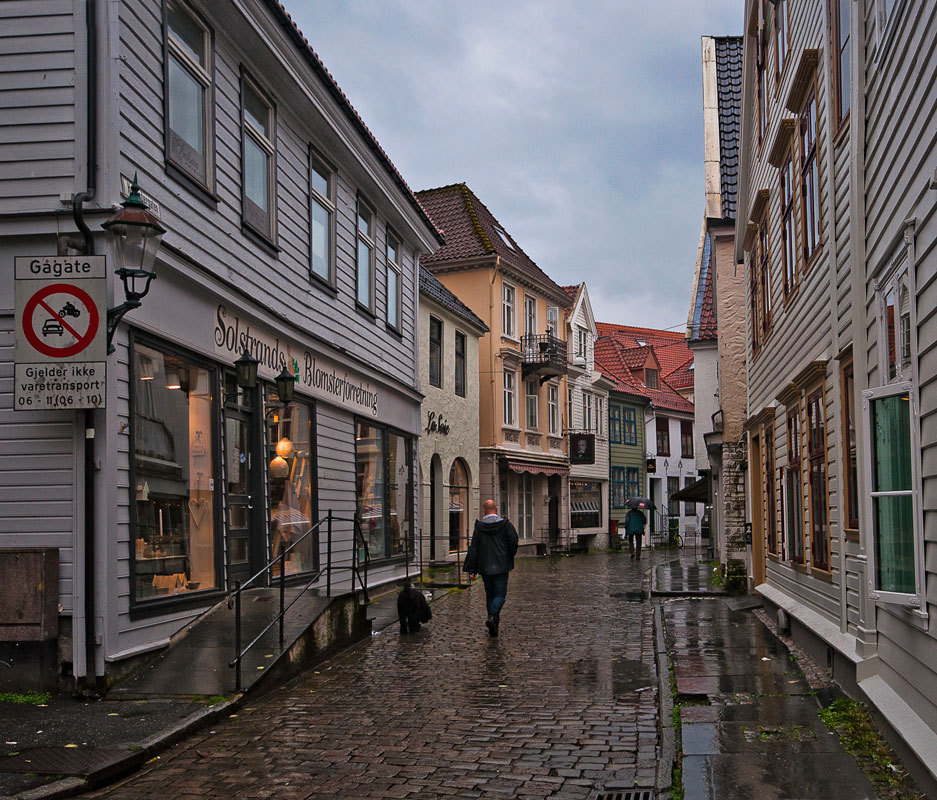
{"x":458,"y":506}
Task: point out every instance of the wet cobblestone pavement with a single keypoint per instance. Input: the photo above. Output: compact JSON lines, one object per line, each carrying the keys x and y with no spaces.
{"x":562,"y":703}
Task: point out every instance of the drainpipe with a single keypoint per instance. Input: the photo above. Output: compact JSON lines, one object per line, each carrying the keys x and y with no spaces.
{"x":495,"y":489}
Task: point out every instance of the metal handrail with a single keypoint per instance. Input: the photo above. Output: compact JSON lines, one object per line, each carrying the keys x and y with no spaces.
{"x":329,"y":518}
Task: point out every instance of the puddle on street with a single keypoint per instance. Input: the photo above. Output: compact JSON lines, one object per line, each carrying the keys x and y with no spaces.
{"x":611,"y":677}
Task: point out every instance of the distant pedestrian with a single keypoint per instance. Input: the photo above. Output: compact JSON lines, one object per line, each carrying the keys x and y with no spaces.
{"x":634,"y":529}
{"x":491,"y":555}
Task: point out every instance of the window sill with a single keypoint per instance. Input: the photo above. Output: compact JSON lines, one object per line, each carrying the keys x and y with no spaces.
{"x":364,"y":310}
{"x":173,"y":603}
{"x":321,"y":283}
{"x":814,"y":257}
{"x":199,"y":189}
{"x":259,"y":238}
{"x":393,"y":331}
{"x":821,"y":574}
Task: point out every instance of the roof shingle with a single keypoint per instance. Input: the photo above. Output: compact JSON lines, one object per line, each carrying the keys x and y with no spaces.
{"x":729,"y":92}
{"x":432,"y":288}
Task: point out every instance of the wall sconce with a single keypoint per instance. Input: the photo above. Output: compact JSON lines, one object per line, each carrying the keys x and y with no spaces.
{"x":246,"y":367}
{"x":137,"y":235}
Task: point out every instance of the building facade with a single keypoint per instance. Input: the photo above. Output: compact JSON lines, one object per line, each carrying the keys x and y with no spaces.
{"x":836,"y":229}
{"x":449,"y":336}
{"x":289,"y":234}
{"x":522,"y":364}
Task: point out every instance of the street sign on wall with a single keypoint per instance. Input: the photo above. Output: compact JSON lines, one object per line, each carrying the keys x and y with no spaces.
{"x":61,"y":331}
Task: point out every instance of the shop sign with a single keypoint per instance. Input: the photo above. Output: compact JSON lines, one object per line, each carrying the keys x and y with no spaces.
{"x":61,"y":331}
{"x":582,"y":448}
{"x":436,"y":423}
{"x":315,"y":375}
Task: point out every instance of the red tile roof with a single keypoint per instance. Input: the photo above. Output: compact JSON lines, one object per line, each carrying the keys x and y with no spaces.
{"x":613,"y":359}
{"x":670,"y":347}
{"x":471,"y":230}
{"x":682,"y":377}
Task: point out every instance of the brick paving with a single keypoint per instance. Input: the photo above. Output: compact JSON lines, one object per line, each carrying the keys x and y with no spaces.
{"x":562,"y":703}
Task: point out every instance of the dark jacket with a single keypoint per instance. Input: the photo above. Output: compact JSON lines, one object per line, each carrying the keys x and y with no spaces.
{"x":493,"y":547}
{"x":634,"y":521}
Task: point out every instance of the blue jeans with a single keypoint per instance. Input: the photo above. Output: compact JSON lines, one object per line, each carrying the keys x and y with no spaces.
{"x":496,"y":590}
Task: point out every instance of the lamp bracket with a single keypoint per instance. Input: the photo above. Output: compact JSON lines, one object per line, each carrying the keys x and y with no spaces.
{"x":114,"y":316}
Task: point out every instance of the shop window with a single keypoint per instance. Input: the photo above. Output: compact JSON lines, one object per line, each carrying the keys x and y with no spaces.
{"x":504,"y":490}
{"x":364,"y":263}
{"x":614,"y":423}
{"x":617,"y":487}
{"x":585,"y":503}
{"x":458,"y":506}
{"x":689,"y":507}
{"x":816,"y":479}
{"x":188,"y":89}
{"x":322,"y":220}
{"x":793,"y":489}
{"x":258,"y":167}
{"x":174,"y":524}
{"x":525,"y":506}
{"x":435,"y":352}
{"x":459,"y":382}
{"x":629,"y":425}
{"x":384,"y":472}
{"x":896,"y":548}
{"x":291,"y":483}
{"x":767,"y":479}
{"x":663,"y":436}
{"x":851,"y":481}
{"x":393,"y":282}
{"x":686,"y":438}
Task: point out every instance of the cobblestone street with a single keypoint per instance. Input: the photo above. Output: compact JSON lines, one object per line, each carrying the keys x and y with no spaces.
{"x":562,"y":703}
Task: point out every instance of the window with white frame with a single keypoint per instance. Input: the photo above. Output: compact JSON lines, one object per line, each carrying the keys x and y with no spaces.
{"x":588,"y":421}
{"x":525,"y":506}
{"x":894,"y":312}
{"x":553,"y":409}
{"x":508,"y":295}
{"x":600,"y":416}
{"x":364,"y":278}
{"x":582,"y":342}
{"x":258,"y":167}
{"x":393,"y":282}
{"x":188,"y":93}
{"x":322,"y":219}
{"x":553,"y":320}
{"x":510,"y":389}
{"x":533,"y":403}
{"x":569,"y":408}
{"x":530,"y":315}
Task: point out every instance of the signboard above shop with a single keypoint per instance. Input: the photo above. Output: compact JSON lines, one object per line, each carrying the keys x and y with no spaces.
{"x":61,"y":320}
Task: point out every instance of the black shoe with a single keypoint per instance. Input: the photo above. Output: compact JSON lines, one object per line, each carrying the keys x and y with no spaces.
{"x":492,"y":626}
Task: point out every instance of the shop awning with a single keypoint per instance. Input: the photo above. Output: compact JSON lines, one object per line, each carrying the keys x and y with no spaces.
{"x":696,"y":492}
{"x":588,"y":507}
{"x":537,"y":469}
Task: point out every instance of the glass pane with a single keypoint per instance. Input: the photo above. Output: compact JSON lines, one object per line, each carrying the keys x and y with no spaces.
{"x":186,"y":106}
{"x":364,"y":274}
{"x":369,"y":461}
{"x":256,"y":111}
{"x":174,"y":513}
{"x":255,"y":173}
{"x":188,"y":33}
{"x":400,"y":494}
{"x":237,"y":551}
{"x":236,"y":449}
{"x":391,"y":250}
{"x":364,"y":221}
{"x":894,"y":544}
{"x":891,"y":444}
{"x":290,"y":465}
{"x":458,"y":507}
{"x":320,"y":180}
{"x":321,"y":231}
{"x":890,"y":334}
{"x":392,"y":297}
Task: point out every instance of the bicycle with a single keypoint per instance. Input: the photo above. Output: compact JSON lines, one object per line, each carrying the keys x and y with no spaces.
{"x":675,"y":539}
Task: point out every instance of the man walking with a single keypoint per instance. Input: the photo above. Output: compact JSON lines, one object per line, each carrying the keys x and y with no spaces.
{"x":491,"y":555}
{"x":634,"y":528}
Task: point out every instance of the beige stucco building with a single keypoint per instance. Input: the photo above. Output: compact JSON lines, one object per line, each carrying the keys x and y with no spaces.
{"x":522,"y":365}
{"x":449,"y":336}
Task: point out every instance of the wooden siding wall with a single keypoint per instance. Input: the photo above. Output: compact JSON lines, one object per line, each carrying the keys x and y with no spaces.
{"x":901,"y":158}
{"x":39,"y":476}
{"x":629,"y":455}
{"x":41,"y":42}
{"x":804,"y":327}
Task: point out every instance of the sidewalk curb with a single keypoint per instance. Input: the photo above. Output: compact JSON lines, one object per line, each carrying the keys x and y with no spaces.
{"x":668,"y":736}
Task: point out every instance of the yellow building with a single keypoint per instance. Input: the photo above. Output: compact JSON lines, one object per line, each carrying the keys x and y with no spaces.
{"x":522,"y":364}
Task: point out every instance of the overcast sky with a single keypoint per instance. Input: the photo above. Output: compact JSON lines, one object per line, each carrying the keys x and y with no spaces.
{"x":578,"y":123}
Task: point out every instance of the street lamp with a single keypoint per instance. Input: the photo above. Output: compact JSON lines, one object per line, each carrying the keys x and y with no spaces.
{"x":137,"y":234}
{"x":246,"y":367}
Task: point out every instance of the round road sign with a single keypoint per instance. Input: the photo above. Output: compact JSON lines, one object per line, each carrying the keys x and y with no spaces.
{"x":60,"y":320}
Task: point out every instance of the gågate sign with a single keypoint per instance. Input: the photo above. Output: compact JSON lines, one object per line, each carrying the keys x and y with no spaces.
{"x":60,"y":352}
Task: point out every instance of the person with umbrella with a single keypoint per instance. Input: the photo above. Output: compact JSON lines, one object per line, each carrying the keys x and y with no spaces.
{"x":635,"y":521}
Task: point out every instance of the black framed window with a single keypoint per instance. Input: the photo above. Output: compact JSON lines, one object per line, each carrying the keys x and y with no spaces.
{"x":258,"y":160}
{"x":392,"y":263}
{"x":175,"y":525}
{"x":384,"y":484}
{"x":673,"y":505}
{"x":364,"y":277}
{"x":689,"y":507}
{"x":460,"y":363}
{"x":435,"y":352}
{"x":629,"y":425}
{"x":632,"y":482}
{"x":322,"y":220}
{"x":617,"y":487}
{"x":686,"y":438}
{"x":794,"y":490}
{"x":663,"y":436}
{"x":816,"y":475}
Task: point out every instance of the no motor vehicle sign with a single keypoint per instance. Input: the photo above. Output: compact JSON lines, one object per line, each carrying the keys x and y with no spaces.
{"x":61,"y":314}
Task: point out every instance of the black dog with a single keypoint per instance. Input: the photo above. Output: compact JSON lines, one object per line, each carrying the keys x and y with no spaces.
{"x":412,"y":609}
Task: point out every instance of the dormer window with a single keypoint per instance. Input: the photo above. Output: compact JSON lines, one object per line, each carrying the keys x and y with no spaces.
{"x":650,"y":378}
{"x":582,"y":342}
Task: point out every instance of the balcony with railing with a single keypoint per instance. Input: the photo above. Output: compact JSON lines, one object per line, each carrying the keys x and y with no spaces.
{"x":544,"y":356}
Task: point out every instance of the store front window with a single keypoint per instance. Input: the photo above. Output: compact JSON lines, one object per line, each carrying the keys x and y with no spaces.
{"x":384,"y":470}
{"x":174,"y":539}
{"x":585,"y":503}
{"x":291,"y":484}
{"x":458,"y":507}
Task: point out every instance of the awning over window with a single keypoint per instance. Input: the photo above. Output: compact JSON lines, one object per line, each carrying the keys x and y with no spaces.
{"x":589,"y":507}
{"x":696,"y":492}
{"x":537,"y":469}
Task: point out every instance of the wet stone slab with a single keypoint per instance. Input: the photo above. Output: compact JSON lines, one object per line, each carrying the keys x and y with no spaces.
{"x":727,"y":663}
{"x":777,"y":776}
{"x":769,"y":684}
{"x":777,"y":738}
{"x":767,"y":711}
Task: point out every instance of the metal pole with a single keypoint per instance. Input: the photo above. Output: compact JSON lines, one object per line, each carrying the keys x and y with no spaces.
{"x":237,"y":636}
{"x":282,"y":589}
{"x":328,"y":560}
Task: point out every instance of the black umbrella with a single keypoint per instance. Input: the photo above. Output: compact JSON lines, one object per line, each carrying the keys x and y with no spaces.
{"x":639,"y":502}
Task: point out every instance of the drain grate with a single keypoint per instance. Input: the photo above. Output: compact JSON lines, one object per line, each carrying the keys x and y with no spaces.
{"x":80,"y":761}
{"x":624,"y":794}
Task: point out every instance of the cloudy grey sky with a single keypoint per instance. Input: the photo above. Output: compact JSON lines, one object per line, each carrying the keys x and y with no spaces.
{"x":579,"y":124}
